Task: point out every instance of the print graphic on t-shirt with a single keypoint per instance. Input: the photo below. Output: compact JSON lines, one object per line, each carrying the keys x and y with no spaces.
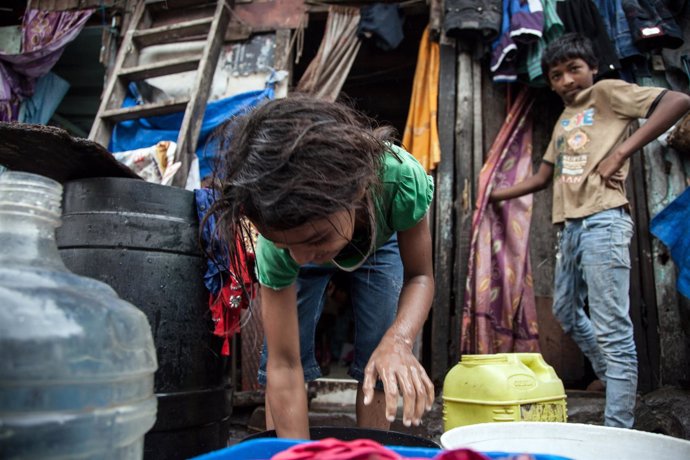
{"x":584,"y":118}
{"x":573,"y":168}
{"x":577,"y":140}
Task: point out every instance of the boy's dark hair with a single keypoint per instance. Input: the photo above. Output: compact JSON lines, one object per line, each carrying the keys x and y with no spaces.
{"x":568,"y":46}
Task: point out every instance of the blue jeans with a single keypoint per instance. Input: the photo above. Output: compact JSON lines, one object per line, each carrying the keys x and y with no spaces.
{"x":593,"y":266}
{"x":375,"y":290}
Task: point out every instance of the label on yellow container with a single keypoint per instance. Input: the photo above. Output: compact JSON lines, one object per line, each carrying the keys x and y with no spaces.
{"x":544,"y":412}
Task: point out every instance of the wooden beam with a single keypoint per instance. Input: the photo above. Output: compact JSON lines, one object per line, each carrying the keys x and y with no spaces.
{"x":435,"y":18}
{"x":160,"y":68}
{"x":443,"y":215}
{"x":114,"y":90}
{"x":642,"y":289}
{"x":665,"y":180}
{"x":145,"y":110}
{"x":194,"y":115}
{"x":464,"y":196}
{"x":63,"y":5}
{"x":477,"y":121}
{"x":172,"y":33}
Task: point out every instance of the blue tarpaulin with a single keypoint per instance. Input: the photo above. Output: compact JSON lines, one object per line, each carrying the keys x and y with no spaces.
{"x":671,"y":227}
{"x":144,"y":132}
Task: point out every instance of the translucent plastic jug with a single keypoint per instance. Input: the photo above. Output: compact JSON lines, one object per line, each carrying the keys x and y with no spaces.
{"x":76,"y":362}
{"x":503,"y":387}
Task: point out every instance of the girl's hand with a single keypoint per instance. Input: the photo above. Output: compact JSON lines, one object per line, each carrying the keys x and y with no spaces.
{"x":401,"y":374}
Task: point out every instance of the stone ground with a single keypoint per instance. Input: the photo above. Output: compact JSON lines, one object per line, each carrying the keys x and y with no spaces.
{"x":666,"y":411}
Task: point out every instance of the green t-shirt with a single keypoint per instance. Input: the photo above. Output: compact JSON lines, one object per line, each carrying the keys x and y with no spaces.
{"x":406,"y":193}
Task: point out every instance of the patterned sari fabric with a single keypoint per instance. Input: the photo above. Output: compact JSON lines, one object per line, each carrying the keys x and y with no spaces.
{"x":499,"y":315}
{"x":44,"y":37}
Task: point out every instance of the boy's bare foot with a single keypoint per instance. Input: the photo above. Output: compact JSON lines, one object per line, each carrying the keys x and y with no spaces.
{"x":596,"y":385}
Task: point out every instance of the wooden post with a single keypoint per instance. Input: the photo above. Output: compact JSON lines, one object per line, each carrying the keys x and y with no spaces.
{"x":464,"y":196}
{"x":642,"y":292}
{"x":443,"y":214}
{"x":477,"y":121}
{"x":665,"y":180}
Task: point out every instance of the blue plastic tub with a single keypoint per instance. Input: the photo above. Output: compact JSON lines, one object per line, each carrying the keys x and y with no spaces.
{"x":265,"y":448}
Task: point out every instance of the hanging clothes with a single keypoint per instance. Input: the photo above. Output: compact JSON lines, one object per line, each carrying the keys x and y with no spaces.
{"x":45,"y":34}
{"x":617,"y":27}
{"x":421,"y":129}
{"x":382,"y":23}
{"x":677,"y":61}
{"x":583,"y":17}
{"x":499,"y":315}
{"x":553,"y":28}
{"x":330,"y":67}
{"x":523,"y":23}
{"x":230,"y":286}
{"x":40,"y":107}
{"x":652,"y":25}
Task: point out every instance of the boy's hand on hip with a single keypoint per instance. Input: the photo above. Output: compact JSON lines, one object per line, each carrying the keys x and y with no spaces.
{"x":610,"y":168}
{"x":401,"y":374}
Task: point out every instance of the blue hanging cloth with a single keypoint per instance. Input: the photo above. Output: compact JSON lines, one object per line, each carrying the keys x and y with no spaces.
{"x":144,"y":132}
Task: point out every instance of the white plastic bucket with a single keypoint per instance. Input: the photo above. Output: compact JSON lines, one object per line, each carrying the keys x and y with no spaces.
{"x":573,"y":440}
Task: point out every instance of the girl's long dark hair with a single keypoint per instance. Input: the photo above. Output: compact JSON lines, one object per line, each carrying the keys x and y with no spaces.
{"x":294,"y":160}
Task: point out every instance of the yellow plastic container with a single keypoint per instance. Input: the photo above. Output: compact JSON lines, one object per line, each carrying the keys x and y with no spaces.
{"x":505,"y":387}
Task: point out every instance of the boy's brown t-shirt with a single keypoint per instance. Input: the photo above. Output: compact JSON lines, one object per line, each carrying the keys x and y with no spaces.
{"x":587,"y":132}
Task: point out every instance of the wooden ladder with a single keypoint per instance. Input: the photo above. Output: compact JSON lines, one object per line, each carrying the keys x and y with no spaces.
{"x":126,"y":69}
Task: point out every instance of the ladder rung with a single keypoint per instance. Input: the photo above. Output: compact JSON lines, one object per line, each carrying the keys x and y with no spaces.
{"x":172,"y":33}
{"x":145,"y":110}
{"x":158,"y":69}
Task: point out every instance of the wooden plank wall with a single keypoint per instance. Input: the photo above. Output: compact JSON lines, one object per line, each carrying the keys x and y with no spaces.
{"x":664,"y":323}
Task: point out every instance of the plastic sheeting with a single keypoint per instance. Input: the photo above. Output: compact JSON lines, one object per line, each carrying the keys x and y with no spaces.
{"x":671,"y":227}
{"x":144,"y":132}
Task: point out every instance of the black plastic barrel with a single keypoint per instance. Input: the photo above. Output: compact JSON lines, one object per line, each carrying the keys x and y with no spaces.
{"x":142,"y":239}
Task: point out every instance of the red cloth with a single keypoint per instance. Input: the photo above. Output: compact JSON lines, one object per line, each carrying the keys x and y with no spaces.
{"x":335,"y":449}
{"x":469,"y":454}
{"x":231,"y":299}
{"x":460,"y":454}
{"x":363,"y":449}
{"x":366,"y":449}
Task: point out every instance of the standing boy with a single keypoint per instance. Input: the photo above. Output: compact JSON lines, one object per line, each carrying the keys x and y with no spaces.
{"x":588,"y":159}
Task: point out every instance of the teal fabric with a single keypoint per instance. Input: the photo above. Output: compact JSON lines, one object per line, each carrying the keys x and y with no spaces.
{"x":553,"y":28}
{"x":49,"y":91}
{"x":404,"y":199}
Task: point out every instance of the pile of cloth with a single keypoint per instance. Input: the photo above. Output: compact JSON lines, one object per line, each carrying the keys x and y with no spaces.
{"x":365,"y":449}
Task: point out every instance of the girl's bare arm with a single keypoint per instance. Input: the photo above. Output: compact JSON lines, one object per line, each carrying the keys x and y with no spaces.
{"x":393,"y":361}
{"x":285,"y":389}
